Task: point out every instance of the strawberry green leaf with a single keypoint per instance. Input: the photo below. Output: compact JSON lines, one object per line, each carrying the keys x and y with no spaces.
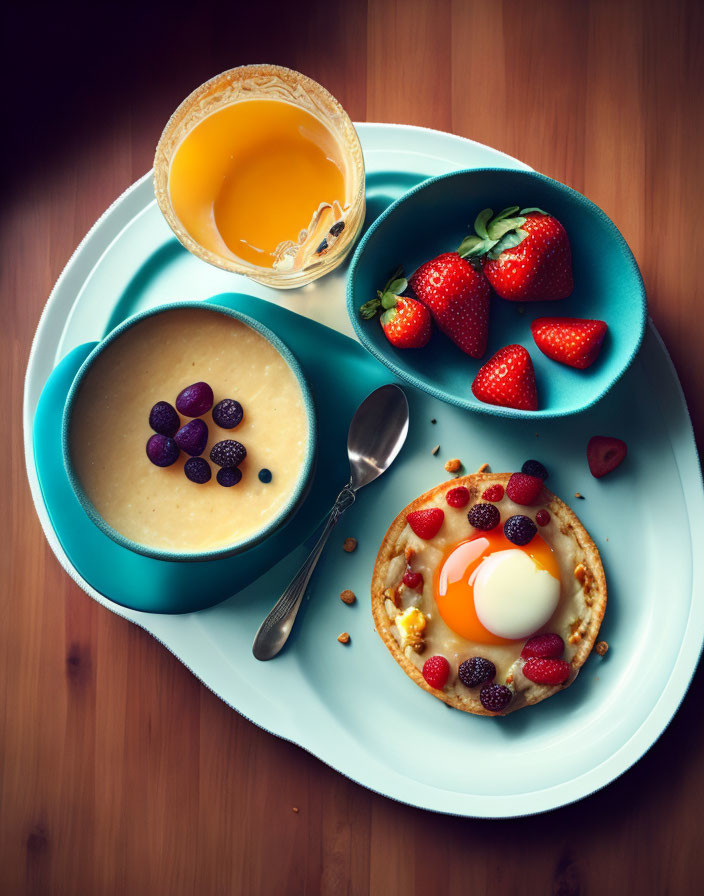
{"x":508,"y":241}
{"x":388,"y":300}
{"x":473,"y":247}
{"x":397,"y":286}
{"x":396,"y":274}
{"x":388,"y":316}
{"x":480,"y":222}
{"x":369,"y":309}
{"x":498,"y":228}
{"x":506,"y":213}
{"x":525,"y":211}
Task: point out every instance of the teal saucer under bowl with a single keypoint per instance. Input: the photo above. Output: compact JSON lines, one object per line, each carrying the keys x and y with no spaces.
{"x":236,"y":547}
{"x":434,"y":217}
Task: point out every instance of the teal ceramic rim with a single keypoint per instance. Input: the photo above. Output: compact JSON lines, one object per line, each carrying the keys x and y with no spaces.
{"x":286,"y":512}
{"x":476,"y":405}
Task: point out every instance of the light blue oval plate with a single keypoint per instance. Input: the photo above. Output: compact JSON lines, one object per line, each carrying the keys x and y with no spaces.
{"x":537,"y":759}
{"x":434,"y":218}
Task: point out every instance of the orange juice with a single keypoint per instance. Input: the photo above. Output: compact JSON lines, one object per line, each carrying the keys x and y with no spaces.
{"x":259,"y":179}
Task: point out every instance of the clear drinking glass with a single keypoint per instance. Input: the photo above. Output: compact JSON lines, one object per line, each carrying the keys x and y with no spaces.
{"x":300,"y":263}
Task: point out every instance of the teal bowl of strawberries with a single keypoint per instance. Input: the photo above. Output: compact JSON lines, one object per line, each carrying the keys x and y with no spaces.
{"x":499,"y":291}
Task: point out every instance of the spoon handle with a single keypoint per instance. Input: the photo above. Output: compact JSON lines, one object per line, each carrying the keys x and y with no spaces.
{"x":274,"y":631}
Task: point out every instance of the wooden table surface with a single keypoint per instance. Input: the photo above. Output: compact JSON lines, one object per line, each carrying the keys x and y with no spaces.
{"x":119,"y":772}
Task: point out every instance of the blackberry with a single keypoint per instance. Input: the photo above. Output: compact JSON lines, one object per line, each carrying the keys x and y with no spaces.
{"x":228,"y":453}
{"x":476,"y":670}
{"x":337,"y":228}
{"x":164,"y":419}
{"x":228,"y":476}
{"x":192,"y":437}
{"x":534,"y":468}
{"x":265,"y":475}
{"x":195,"y":400}
{"x":197,"y":470}
{"x":162,"y":451}
{"x":519,"y":529}
{"x":484,"y":517}
{"x":495,"y":697}
{"x":228,"y":413}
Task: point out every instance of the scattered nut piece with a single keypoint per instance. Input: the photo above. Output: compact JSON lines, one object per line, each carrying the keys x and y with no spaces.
{"x":409,"y":553}
{"x":578,"y":495}
{"x":418,"y":646}
{"x":575,"y":638}
{"x":484,"y":468}
{"x":347,"y":596}
{"x":452,"y":466}
{"x":601,"y":648}
{"x":344,"y":638}
{"x":509,"y":678}
{"x":390,"y":608}
{"x":390,"y":594}
{"x":350,"y":545}
{"x":435,"y":450}
{"x":295,"y":809}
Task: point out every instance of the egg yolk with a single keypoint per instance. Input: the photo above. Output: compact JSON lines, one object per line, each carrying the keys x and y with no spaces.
{"x":453,"y":588}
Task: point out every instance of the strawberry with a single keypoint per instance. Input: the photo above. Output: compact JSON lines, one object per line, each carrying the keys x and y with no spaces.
{"x":547,"y":646}
{"x":546,"y":671}
{"x":525,"y":257}
{"x":604,"y":454}
{"x":493,"y":493}
{"x":457,"y":294}
{"x":508,"y":380}
{"x":569,"y":340}
{"x":523,"y":489}
{"x":406,"y":322}
{"x":426,"y":523}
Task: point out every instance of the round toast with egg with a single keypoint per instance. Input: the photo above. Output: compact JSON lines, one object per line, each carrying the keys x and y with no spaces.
{"x":582,"y":580}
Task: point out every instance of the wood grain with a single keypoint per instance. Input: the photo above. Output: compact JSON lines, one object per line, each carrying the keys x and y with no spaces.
{"x":119,"y":772}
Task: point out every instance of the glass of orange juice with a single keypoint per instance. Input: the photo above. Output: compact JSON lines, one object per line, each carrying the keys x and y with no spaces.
{"x":260,"y":172}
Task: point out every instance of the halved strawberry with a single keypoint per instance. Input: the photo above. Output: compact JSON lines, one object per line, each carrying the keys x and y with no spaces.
{"x":570,"y":340}
{"x":426,"y":523}
{"x":526,"y":256}
{"x":546,"y":671}
{"x":457,"y":294}
{"x":508,"y":380}
{"x":604,"y":454}
{"x":406,"y":322}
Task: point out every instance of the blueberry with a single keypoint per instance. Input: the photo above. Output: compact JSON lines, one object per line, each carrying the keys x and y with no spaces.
{"x":519,"y":529}
{"x":228,"y":476}
{"x":193,"y":437}
{"x":197,"y":470}
{"x":161,"y":450}
{"x":534,"y":468}
{"x":484,"y":517}
{"x":227,"y":414}
{"x":228,"y":453}
{"x":195,"y":400}
{"x":495,"y":697}
{"x":337,"y":228}
{"x":265,"y":475}
{"x":164,"y":419}
{"x":322,"y":247}
{"x":476,"y":670}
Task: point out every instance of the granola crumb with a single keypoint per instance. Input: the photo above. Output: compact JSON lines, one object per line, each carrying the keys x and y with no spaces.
{"x":344,"y":638}
{"x":452,"y":466}
{"x":435,"y":450}
{"x":295,"y":809}
{"x":484,"y":468}
{"x":390,"y":594}
{"x":580,"y":573}
{"x":601,"y":648}
{"x":350,"y":545}
{"x":578,"y":495}
{"x":575,"y":638}
{"x":509,"y":678}
{"x":347,"y":596}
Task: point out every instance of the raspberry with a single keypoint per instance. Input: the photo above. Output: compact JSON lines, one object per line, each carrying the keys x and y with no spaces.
{"x":534,"y":468}
{"x":484,"y":517}
{"x":458,"y":497}
{"x":197,"y":470}
{"x":523,"y":489}
{"x":413,"y":580}
{"x":192,"y":437}
{"x":164,"y":419}
{"x":227,"y":414}
{"x":228,"y":453}
{"x":195,"y":400}
{"x":229,"y":476}
{"x":548,"y":646}
{"x":426,"y":523}
{"x":495,"y":697}
{"x":494,"y":493}
{"x":476,"y":670}
{"x":519,"y":529}
{"x":542,"y":517}
{"x":436,"y":671}
{"x":544,"y":671}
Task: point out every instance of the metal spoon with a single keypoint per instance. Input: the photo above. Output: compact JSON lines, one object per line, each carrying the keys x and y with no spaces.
{"x":376,"y":435}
